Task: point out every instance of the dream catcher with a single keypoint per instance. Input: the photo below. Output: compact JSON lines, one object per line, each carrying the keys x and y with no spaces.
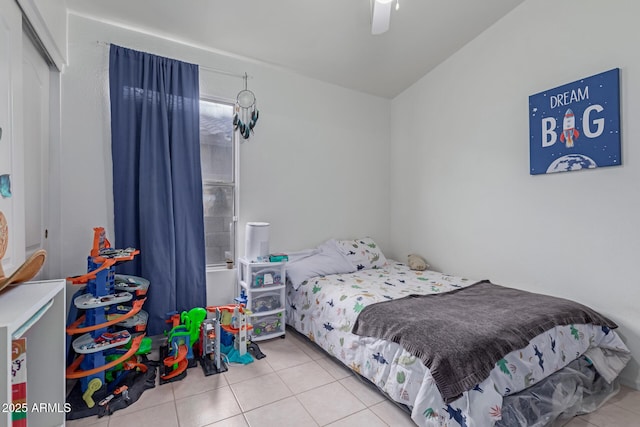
{"x":246,"y":113}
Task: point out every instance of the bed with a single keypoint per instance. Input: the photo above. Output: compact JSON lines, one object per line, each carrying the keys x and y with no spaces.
{"x":332,"y":285}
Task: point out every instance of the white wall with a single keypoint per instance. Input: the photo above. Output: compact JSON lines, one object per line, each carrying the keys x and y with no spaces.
{"x":11,"y":140}
{"x":49,"y":19}
{"x":317,"y":166}
{"x":461,"y":193}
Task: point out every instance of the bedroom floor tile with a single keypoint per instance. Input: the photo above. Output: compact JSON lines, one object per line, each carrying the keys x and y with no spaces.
{"x":336,"y":370}
{"x":305,"y":345}
{"x":359,"y":419}
{"x":88,"y":421}
{"x":330,"y":403}
{"x":283,"y":353}
{"x":260,"y":391}
{"x":195,"y":383}
{"x":237,"y":421}
{"x":578,"y":422}
{"x":283,"y":413}
{"x":628,"y":399}
{"x":611,"y":415}
{"x":620,"y":411}
{"x":164,"y":415}
{"x":305,"y":377}
{"x":368,"y":394}
{"x":293,"y":386}
{"x":206,"y":408}
{"x":152,"y":397}
{"x":237,"y":373}
{"x":391,"y":414}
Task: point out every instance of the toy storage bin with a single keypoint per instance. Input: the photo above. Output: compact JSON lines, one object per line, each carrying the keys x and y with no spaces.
{"x":264,"y":285}
{"x":270,"y":276}
{"x":267,"y":325}
{"x":258,"y":275}
{"x":267,"y":301}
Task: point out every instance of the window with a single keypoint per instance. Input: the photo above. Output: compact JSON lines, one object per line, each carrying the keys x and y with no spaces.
{"x":217,"y":155}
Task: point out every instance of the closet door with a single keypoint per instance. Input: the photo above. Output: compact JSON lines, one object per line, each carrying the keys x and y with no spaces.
{"x":35,"y":79}
{"x":11,"y":147}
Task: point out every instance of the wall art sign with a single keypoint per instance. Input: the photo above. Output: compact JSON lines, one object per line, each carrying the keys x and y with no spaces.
{"x":5,"y":186}
{"x":576,"y":126}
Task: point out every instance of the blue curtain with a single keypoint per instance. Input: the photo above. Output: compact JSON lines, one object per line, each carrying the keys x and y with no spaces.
{"x":157,"y":182}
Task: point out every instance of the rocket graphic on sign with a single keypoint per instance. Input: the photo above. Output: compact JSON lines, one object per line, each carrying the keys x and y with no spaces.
{"x":569,"y":131}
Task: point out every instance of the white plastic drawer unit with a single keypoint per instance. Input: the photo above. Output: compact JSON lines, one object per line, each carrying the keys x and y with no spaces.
{"x":264,"y":284}
{"x":267,"y":325}
{"x":266,"y":301}
{"x":270,"y":276}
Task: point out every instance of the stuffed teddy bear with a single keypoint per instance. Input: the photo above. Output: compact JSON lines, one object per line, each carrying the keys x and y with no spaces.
{"x":416,"y":262}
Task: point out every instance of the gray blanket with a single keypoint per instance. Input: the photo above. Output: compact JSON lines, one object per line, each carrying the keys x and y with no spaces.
{"x":460,"y":335}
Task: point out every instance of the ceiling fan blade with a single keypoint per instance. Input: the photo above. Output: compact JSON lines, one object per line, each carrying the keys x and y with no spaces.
{"x":381,"y":16}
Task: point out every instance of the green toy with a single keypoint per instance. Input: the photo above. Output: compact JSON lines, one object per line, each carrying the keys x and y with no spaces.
{"x":192,"y":320}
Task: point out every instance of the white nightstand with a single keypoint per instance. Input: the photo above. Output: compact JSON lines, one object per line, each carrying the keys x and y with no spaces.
{"x":37,"y":312}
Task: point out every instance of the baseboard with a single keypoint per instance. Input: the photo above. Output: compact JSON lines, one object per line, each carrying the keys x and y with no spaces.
{"x":633,"y":383}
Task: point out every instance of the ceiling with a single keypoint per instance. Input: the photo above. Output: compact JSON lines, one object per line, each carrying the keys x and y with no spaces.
{"x":329,"y":40}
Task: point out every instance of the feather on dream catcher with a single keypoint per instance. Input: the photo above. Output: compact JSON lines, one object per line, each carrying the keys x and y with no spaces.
{"x":246,"y":112}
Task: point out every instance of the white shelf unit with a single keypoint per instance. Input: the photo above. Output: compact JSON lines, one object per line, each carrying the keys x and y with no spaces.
{"x":264,"y":285}
{"x":35,"y":310}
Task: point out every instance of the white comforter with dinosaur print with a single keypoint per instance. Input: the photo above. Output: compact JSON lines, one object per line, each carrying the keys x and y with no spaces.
{"x":325,"y":308}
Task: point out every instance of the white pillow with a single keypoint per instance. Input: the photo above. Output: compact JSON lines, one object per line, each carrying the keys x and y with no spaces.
{"x":363,"y":253}
{"x":328,"y":260}
{"x":298,"y":255}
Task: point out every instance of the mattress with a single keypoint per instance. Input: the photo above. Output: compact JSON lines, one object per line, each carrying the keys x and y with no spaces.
{"x":325,"y":309}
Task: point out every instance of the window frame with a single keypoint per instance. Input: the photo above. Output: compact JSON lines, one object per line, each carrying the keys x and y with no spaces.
{"x":235,"y":163}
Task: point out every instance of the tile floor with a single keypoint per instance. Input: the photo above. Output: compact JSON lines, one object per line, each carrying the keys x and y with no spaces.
{"x":296,"y":385}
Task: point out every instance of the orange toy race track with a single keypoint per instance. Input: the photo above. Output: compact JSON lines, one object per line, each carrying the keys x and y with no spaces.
{"x":73,"y":328}
{"x":133,"y":364}
{"x":72,"y":373}
{"x":101,"y":243}
{"x":81,"y":280}
{"x":230,"y":308}
{"x":180,"y":359}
